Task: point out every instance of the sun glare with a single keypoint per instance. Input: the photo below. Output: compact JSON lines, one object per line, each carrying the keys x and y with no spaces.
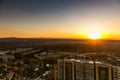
{"x":94,"y":35}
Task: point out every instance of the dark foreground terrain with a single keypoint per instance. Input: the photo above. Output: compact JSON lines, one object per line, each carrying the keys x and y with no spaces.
{"x":70,"y":45}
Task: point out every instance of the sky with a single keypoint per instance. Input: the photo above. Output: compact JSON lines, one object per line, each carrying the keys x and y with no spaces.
{"x":59,"y":18}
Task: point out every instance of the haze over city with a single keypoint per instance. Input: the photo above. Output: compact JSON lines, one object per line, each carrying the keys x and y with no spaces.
{"x":78,"y":19}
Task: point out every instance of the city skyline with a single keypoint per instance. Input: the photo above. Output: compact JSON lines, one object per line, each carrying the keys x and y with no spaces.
{"x":60,"y":19}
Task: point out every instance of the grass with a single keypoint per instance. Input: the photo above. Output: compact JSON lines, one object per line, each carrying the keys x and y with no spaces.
{"x":59,"y":54}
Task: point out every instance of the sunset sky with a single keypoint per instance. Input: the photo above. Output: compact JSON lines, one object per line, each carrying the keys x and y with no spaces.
{"x":59,"y":18}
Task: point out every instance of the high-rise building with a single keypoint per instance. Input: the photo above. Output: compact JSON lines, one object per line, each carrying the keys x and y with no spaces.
{"x":89,"y":71}
{"x":70,"y":69}
{"x":79,"y":70}
{"x":66,"y":69}
{"x":60,"y":70}
{"x":103,"y":72}
{"x":115,"y":73}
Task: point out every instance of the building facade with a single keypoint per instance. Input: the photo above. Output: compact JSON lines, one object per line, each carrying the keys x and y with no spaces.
{"x":115,"y":73}
{"x":70,"y":69}
{"x":79,"y":70}
{"x":89,"y":71}
{"x":60,"y":70}
{"x":103,"y":72}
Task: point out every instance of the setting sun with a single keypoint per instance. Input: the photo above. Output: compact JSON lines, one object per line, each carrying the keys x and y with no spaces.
{"x":94,"y":35}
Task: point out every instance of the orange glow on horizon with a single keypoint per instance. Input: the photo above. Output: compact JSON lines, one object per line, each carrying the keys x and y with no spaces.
{"x":90,"y":35}
{"x":95,"y":35}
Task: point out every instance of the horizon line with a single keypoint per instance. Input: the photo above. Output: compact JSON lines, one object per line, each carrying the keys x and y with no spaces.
{"x":53,"y":38}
